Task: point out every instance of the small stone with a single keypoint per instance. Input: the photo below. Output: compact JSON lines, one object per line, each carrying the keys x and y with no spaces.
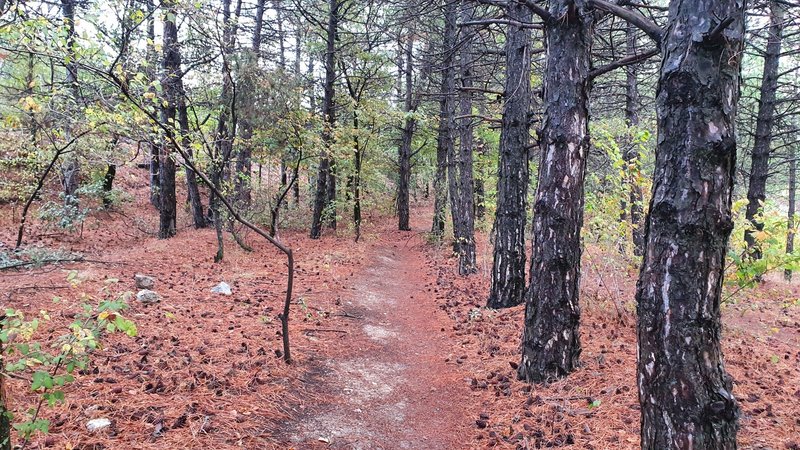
{"x":148,"y":297}
{"x":223,"y":288}
{"x":144,"y":281}
{"x":97,"y":424}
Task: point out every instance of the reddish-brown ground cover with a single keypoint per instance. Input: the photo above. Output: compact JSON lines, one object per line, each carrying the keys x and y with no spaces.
{"x":597,"y":406}
{"x":392,"y":349}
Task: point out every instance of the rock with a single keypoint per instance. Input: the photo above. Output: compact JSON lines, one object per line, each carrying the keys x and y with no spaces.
{"x":222,"y":288}
{"x":144,"y":281}
{"x":97,"y":424}
{"x":147,"y":296}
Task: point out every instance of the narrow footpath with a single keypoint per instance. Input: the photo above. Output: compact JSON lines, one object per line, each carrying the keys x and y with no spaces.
{"x":392,"y":388}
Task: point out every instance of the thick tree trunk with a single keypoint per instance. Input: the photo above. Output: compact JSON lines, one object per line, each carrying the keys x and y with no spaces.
{"x":172,"y":73}
{"x":787,"y":274}
{"x":323,"y":192}
{"x":507,"y":286}
{"x":685,"y":395}
{"x":463,"y":205}
{"x":406,"y":137}
{"x":550,"y":343}
{"x":444,"y":142}
{"x":633,"y":207}
{"x":759,"y":169}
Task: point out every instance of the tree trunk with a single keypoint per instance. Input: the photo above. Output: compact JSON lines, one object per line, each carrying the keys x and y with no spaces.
{"x":406,"y":137}
{"x":550,"y":343}
{"x":507,"y":286}
{"x":108,"y":183}
{"x":331,"y":194}
{"x":759,"y":169}
{"x":322,"y":194}
{"x":195,"y":201}
{"x":463,"y":208}
{"x":633,"y":208}
{"x":685,"y":395}
{"x":356,"y":178}
{"x":152,"y":62}
{"x":787,"y":274}
{"x":444,"y":142}
{"x":244,"y":159}
{"x":172,"y":73}
{"x":480,"y":188}
{"x":71,"y":168}
{"x":5,"y":420}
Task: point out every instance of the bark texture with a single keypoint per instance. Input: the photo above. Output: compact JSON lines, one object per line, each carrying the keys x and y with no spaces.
{"x":633,"y":208}
{"x":787,"y":274}
{"x":462,"y":186}
{"x":323,"y":190}
{"x":507,"y":286}
{"x":406,"y":137}
{"x":759,"y":169}
{"x":192,"y":188}
{"x":244,"y":159}
{"x":166,"y":174}
{"x":444,"y":140}
{"x":71,"y":168}
{"x":550,"y":343}
{"x":684,"y":392}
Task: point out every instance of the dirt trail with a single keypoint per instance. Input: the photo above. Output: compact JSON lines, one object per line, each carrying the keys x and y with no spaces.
{"x":391,"y":387}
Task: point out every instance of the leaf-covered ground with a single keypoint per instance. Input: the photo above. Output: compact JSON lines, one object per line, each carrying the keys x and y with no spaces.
{"x":392,"y":348}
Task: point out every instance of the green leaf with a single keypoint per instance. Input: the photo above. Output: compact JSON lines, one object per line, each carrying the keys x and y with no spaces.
{"x":41,"y":379}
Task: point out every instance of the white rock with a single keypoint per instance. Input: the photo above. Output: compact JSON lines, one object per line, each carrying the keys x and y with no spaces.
{"x":97,"y":424}
{"x":144,"y":281}
{"x":148,"y":297}
{"x":222,"y":288}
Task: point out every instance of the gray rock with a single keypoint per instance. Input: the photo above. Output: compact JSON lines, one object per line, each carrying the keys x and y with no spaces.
{"x":222,"y":288}
{"x":144,"y":281}
{"x":97,"y":424}
{"x":147,"y":296}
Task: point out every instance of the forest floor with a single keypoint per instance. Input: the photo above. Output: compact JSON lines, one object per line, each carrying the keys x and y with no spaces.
{"x":392,"y":349}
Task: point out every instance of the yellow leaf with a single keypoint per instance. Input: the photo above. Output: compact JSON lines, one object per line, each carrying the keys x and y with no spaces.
{"x":761,"y":236}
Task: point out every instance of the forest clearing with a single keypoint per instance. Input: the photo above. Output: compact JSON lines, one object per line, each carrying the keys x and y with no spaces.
{"x":399,"y":224}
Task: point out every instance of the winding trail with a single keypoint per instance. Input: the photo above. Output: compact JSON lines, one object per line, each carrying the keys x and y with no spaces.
{"x":391,"y":388}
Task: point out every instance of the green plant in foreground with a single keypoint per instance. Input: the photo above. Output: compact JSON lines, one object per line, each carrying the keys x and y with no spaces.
{"x":47,"y":366}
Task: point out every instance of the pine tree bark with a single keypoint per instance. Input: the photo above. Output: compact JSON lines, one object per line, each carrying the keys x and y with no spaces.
{"x":685,"y":395}
{"x":507,"y":284}
{"x":5,"y":420}
{"x":787,"y":273}
{"x":244,"y":159}
{"x":550,"y":343}
{"x":71,"y":168}
{"x":152,"y":60}
{"x":462,"y":188}
{"x":759,"y":169}
{"x":444,"y":140}
{"x":192,"y":188}
{"x":172,"y":73}
{"x":323,"y":191}
{"x":633,"y":207}
{"x":406,"y":137}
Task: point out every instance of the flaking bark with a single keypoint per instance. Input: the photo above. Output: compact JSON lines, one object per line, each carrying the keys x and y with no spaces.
{"x":685,"y":395}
